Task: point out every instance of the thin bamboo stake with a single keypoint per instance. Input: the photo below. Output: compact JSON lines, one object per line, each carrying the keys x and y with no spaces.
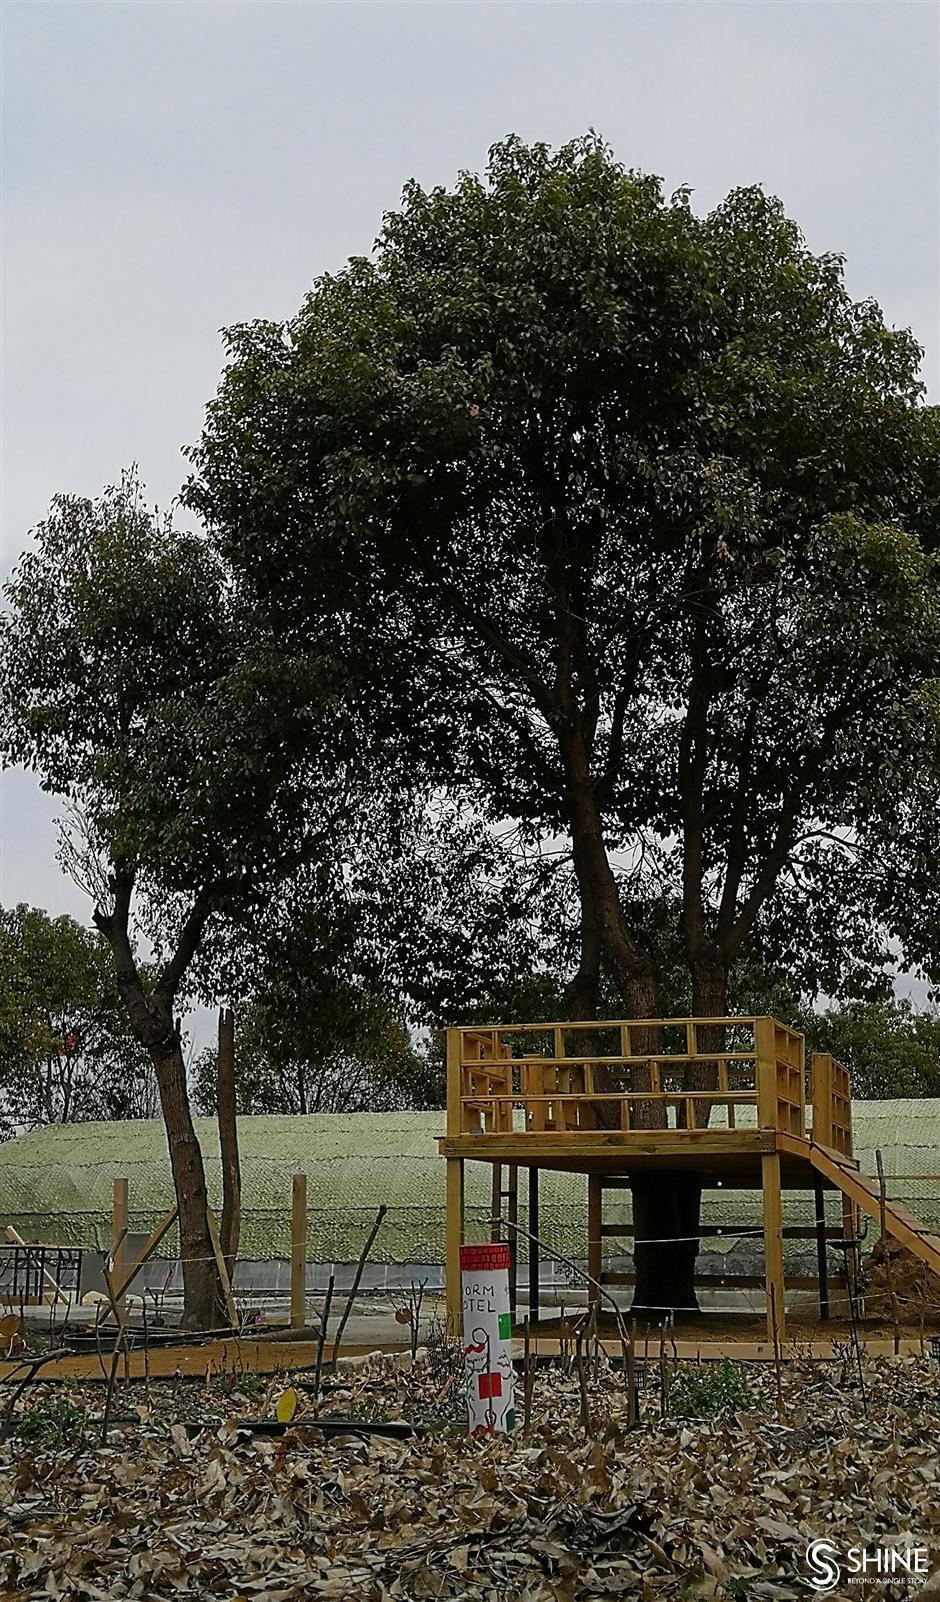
{"x":629,"y":1367}
{"x":356,"y":1279}
{"x":776,"y":1335}
{"x":321,"y":1338}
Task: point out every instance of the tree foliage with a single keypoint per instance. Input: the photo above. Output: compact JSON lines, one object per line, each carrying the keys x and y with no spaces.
{"x":891,"y":1048}
{"x":67,"y":1054}
{"x":621,"y":508}
{"x":204,"y":761}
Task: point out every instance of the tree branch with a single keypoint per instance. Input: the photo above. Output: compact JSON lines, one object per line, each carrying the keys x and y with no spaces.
{"x":187,"y":945}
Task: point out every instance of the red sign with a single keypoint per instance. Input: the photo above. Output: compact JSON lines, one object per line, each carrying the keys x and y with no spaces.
{"x":483,"y":1259}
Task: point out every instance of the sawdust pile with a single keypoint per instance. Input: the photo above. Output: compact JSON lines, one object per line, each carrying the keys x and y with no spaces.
{"x":673,"y":1509}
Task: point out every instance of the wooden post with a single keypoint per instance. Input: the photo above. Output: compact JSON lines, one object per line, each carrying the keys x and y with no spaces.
{"x":822,"y":1098}
{"x":220,"y":1263}
{"x":595,"y":1218}
{"x":119,"y":1243}
{"x":454,"y":1081}
{"x":765,"y":1043}
{"x":298,"y":1252}
{"x":453,"y":1241}
{"x":822,"y":1269}
{"x":773,"y":1246}
{"x":533,"y":1223}
{"x":146,"y":1251}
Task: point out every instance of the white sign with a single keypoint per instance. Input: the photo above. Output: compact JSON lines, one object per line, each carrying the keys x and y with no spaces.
{"x":487,"y":1339}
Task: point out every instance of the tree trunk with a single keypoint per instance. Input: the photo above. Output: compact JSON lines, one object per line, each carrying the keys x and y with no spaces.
{"x":667,"y":1205}
{"x":203,"y":1299}
{"x":230,"y":1226}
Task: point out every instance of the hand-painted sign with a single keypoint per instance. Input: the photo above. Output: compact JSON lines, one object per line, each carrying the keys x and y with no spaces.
{"x":487,"y":1338}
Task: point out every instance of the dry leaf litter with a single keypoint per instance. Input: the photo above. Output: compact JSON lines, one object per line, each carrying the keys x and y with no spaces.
{"x":675,"y":1508}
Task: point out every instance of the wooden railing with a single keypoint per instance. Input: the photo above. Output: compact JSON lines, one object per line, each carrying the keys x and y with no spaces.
{"x":647,"y":1074}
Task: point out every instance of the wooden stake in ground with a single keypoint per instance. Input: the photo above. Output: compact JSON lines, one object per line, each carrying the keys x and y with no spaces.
{"x":582,"y":1379}
{"x":358,"y":1276}
{"x":230,"y":1227}
{"x":630,"y":1376}
{"x":528,"y":1371}
{"x":298,"y":1252}
{"x":885,"y":1247}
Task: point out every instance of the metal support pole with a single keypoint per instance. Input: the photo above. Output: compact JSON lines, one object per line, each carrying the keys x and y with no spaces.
{"x":454,"y":1238}
{"x":595,"y":1219}
{"x":533,"y":1223}
{"x":119,"y":1243}
{"x":512,"y":1197}
{"x":496,"y":1203}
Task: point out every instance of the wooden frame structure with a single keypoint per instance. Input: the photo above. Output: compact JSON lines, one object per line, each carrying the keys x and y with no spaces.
{"x":613,"y":1098}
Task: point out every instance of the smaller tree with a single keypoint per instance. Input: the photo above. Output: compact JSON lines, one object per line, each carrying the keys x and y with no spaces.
{"x":145,"y":687}
{"x":889,"y":1047}
{"x":67,"y":1054}
{"x":339,"y":1049}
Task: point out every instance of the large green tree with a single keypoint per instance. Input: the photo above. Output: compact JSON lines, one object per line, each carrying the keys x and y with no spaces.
{"x":141,"y":683}
{"x":620,"y":510}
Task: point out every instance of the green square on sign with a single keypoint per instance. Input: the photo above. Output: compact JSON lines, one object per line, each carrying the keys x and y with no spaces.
{"x":505,"y":1326}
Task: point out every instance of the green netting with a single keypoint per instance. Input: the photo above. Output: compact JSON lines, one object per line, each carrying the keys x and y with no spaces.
{"x":56,"y":1184}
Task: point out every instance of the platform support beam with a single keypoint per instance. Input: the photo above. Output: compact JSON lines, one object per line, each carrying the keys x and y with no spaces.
{"x":532,"y":1221}
{"x":822,"y":1267}
{"x":453,"y":1242}
{"x":773,"y":1245}
{"x":594,"y":1220}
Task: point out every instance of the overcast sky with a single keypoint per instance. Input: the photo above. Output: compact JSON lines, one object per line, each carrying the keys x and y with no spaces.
{"x":170,"y":169}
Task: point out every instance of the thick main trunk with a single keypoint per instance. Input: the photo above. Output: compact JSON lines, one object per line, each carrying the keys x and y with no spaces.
{"x":666,"y":1206}
{"x":230,"y":1226}
{"x":606,"y":936}
{"x":151,"y":1020}
{"x":203,"y":1299}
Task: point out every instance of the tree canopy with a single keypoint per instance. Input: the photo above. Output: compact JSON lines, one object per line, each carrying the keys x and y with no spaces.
{"x":620,"y":510}
{"x":203,"y":762}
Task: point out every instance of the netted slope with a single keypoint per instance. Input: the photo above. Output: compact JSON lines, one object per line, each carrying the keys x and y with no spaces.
{"x":56,"y":1184}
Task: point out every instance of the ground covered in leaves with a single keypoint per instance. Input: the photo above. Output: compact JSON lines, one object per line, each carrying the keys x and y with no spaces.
{"x":572,"y":1506}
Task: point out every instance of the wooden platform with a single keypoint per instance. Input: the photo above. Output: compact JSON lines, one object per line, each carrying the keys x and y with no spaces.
{"x":615,"y":1099}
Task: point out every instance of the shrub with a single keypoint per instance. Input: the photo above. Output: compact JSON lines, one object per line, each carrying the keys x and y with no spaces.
{"x":713,"y":1388}
{"x":55,"y":1423}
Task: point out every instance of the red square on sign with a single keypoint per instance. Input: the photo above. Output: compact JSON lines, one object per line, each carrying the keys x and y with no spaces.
{"x":490,"y":1385}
